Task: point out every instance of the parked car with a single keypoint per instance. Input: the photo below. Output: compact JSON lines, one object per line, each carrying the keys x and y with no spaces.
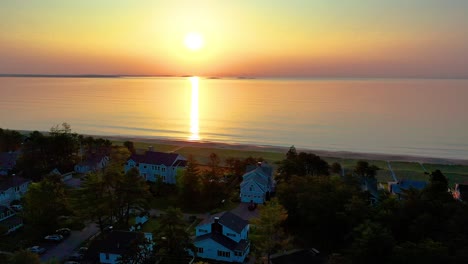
{"x":252,"y":206}
{"x":71,"y":262}
{"x":37,"y":249}
{"x":17,"y":207}
{"x":82,"y":250}
{"x":55,"y":238}
{"x":76,"y":256}
{"x":63,"y":231}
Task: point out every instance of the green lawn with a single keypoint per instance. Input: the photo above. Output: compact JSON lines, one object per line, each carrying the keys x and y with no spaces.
{"x":202,"y":154}
{"x":459,"y":169}
{"x":145,"y":146}
{"x":407,"y":166}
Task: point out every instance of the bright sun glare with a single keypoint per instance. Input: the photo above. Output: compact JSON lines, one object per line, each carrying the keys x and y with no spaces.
{"x":193,"y":41}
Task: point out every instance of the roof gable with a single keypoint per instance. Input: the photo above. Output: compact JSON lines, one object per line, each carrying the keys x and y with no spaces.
{"x":158,"y":158}
{"x":227,"y":219}
{"x":224,"y":241}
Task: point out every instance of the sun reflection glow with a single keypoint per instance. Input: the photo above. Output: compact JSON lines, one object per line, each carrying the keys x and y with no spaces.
{"x":194,"y":124}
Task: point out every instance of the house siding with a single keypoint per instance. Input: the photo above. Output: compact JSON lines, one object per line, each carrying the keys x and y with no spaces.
{"x":211,"y":248}
{"x":151,"y":172}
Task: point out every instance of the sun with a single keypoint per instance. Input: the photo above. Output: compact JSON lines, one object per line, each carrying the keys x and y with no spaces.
{"x":193,"y":41}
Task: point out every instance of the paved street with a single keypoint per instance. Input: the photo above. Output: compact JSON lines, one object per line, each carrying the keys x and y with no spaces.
{"x":64,"y":249}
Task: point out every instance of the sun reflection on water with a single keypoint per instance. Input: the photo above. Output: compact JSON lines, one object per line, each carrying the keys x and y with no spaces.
{"x":194,"y":118}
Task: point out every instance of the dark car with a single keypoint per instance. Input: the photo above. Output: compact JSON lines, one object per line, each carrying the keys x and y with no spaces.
{"x":252,"y":206}
{"x":76,"y":256}
{"x":63,"y":231}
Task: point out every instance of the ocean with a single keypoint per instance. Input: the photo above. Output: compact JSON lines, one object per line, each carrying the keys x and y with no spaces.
{"x":423,"y":117}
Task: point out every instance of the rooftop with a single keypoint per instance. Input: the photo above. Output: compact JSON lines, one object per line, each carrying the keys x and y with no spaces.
{"x":157,"y":158}
{"x":6,"y":182}
{"x":229,"y":220}
{"x":225,"y":241}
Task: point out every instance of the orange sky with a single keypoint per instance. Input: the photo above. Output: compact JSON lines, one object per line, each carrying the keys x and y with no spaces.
{"x":366,"y":38}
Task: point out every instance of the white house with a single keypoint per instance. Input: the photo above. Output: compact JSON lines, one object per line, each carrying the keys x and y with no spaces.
{"x":222,"y":237}
{"x":9,"y":219}
{"x":152,"y":165}
{"x":93,"y":163}
{"x":12,"y":188}
{"x":116,"y":244}
{"x":257,"y":184}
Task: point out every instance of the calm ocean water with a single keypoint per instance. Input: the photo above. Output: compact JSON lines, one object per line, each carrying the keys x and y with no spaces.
{"x":425,"y":117}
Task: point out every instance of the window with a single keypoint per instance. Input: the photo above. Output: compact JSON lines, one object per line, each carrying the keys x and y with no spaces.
{"x":238,"y":253}
{"x":224,"y":254}
{"x":231,"y":234}
{"x":203,"y":230}
{"x":199,"y":250}
{"x":164,"y":178}
{"x":251,"y":188}
{"x":107,"y":255}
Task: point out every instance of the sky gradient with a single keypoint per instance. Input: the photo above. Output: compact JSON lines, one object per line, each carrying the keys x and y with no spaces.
{"x":366,"y":38}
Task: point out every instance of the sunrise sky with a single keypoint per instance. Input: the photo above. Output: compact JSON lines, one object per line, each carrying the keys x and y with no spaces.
{"x":362,"y":38}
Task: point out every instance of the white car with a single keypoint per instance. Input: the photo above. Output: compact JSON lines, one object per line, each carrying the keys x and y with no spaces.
{"x":37,"y":249}
{"x":54,"y":238}
{"x":17,"y":207}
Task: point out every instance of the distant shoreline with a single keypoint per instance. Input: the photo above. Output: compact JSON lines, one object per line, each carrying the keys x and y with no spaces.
{"x":279,"y":149}
{"x":104,"y":76}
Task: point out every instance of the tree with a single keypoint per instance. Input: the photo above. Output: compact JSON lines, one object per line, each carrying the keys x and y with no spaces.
{"x":45,"y":202}
{"x":364,"y":170}
{"x":190,"y":183}
{"x":267,"y":234}
{"x":372,"y":243}
{"x":336,"y":168}
{"x":130,"y":146}
{"x":139,"y":251}
{"x":134,"y":193}
{"x":10,"y":140}
{"x":92,"y":201}
{"x":171,"y":235}
{"x":24,"y":257}
{"x":427,"y":251}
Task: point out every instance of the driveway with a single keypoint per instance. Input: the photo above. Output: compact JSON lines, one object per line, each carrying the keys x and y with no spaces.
{"x":243,"y":211}
{"x":64,"y":249}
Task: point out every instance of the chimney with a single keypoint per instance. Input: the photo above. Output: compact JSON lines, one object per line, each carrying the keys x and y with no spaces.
{"x":216,"y":219}
{"x":118,"y":245}
{"x":150,"y":148}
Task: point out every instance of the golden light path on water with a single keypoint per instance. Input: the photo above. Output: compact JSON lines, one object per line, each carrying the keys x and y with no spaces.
{"x":194,"y":118}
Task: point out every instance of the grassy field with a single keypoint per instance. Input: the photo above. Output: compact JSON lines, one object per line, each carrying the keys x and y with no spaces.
{"x":402,"y":170}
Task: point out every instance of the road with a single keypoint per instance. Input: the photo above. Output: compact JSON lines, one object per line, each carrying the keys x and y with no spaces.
{"x":391,"y":171}
{"x":64,"y":249}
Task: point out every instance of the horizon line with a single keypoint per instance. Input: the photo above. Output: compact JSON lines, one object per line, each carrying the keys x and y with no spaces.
{"x":19,"y":75}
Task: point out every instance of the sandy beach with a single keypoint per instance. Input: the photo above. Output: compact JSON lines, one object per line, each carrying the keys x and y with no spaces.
{"x":279,"y":149}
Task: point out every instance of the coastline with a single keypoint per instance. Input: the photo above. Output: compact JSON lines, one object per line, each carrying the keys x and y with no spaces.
{"x":280,"y":149}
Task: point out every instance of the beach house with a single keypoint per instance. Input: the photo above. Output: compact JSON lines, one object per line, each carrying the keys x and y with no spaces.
{"x":398,"y":188}
{"x":257,"y":184}
{"x":9,"y":221}
{"x":92,"y":163}
{"x":222,"y":237}
{"x":12,"y":188}
{"x":153,"y":165}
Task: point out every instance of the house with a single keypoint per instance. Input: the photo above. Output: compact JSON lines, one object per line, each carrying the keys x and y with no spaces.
{"x":12,"y":188}
{"x":153,"y":165}
{"x":298,"y":256}
{"x":257,"y":184}
{"x":7,"y":161}
{"x":65,"y":177}
{"x":398,"y":188}
{"x":93,"y":163}
{"x":9,"y":220}
{"x":222,"y":237}
{"x":369,"y":185}
{"x":461,"y":192}
{"x":116,"y":244}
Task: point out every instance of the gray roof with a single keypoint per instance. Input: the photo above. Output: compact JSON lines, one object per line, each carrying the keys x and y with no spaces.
{"x":225,"y":241}
{"x":397,"y":188}
{"x":13,"y":220}
{"x":228,"y":220}
{"x":157,"y":158}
